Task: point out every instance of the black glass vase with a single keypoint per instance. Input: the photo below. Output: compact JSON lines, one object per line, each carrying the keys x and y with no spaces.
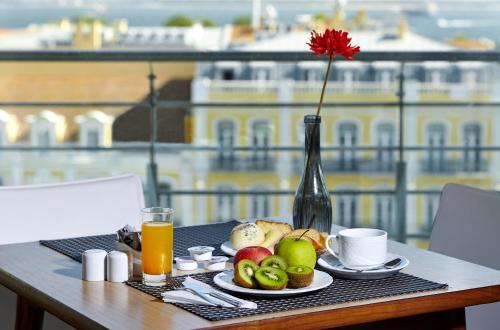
{"x":312,"y":197}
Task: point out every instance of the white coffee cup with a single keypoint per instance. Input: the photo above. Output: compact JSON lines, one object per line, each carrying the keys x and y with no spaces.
{"x":359,"y":248}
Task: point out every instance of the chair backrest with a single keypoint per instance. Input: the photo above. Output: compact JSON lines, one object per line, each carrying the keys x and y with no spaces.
{"x":467,"y":227}
{"x":79,"y":208}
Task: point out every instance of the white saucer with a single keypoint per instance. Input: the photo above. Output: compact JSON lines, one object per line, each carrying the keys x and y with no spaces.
{"x":228,"y":248}
{"x":225,"y":280}
{"x":333,"y":265}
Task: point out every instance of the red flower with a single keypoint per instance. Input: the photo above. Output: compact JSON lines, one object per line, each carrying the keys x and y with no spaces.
{"x":332,"y":43}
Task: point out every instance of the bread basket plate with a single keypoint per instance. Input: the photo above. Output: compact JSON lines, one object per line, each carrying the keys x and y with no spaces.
{"x":225,"y":281}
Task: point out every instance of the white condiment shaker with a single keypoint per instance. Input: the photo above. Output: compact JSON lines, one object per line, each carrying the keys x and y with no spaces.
{"x":117,"y":266}
{"x":94,"y":265}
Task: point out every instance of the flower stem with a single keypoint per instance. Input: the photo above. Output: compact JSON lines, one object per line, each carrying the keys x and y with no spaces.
{"x":324,"y":85}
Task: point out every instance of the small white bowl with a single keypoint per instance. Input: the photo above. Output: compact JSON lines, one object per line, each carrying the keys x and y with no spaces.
{"x":201,"y":253}
{"x":216,"y":263}
{"x":186,"y":263}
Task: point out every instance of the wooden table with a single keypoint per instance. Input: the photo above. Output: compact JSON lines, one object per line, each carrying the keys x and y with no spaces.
{"x":47,"y":280}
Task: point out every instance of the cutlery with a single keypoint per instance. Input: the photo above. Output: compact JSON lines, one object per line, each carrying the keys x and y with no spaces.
{"x":206,"y":289}
{"x":226,"y":298}
{"x":178,"y":285}
{"x":201,"y":291}
{"x":391,"y":264}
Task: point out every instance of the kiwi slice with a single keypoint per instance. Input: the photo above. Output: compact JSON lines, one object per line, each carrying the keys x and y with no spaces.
{"x":274,"y":261}
{"x":271,"y":278}
{"x":244,"y":273}
{"x":299,"y":276}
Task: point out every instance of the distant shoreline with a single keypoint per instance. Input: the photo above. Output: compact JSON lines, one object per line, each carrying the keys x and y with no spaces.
{"x":480,"y":22}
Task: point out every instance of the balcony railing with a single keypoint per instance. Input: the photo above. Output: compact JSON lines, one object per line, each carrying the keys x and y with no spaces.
{"x":301,"y":87}
{"x":402,"y":150}
{"x":242,"y":164}
{"x":450,"y":166}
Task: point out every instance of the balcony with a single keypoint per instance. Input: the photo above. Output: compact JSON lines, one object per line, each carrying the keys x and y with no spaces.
{"x":423,"y":89}
{"x":151,"y":144}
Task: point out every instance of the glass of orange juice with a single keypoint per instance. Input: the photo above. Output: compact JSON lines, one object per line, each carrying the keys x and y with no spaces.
{"x":157,"y":240}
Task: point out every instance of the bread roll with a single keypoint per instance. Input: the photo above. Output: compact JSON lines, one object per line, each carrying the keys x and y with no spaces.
{"x":266,"y":226}
{"x":246,"y":234}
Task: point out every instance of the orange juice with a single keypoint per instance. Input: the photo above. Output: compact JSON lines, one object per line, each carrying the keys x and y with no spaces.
{"x":157,"y":247}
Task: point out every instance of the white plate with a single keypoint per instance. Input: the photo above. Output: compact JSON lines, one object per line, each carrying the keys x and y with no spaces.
{"x":334,"y":266}
{"x":225,"y":280}
{"x":228,"y":248}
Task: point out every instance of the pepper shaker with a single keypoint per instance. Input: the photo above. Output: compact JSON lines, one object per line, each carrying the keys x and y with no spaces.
{"x":117,"y":266}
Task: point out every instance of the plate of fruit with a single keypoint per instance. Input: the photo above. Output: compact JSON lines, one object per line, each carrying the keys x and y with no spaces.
{"x":265,"y":280}
{"x":289,"y":271}
{"x":268,"y":234}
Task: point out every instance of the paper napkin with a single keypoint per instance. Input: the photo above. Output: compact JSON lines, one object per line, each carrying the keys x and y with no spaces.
{"x":185,"y":297}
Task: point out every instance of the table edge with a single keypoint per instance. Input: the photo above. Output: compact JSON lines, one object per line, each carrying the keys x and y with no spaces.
{"x":60,"y":310}
{"x":377,"y":310}
{"x":417,"y":306}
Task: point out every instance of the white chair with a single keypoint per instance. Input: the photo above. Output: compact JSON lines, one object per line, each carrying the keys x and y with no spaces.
{"x":51,"y":211}
{"x":79,"y":208}
{"x":467,"y":227}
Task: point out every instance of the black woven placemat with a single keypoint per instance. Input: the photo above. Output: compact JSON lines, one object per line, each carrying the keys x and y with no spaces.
{"x":184,"y":237}
{"x":340,"y":291}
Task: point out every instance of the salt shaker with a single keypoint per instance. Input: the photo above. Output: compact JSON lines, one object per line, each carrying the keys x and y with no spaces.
{"x":117,"y":266}
{"x":94,"y":265}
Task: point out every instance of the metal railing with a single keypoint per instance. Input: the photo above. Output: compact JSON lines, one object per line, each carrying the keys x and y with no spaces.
{"x":154,"y":105}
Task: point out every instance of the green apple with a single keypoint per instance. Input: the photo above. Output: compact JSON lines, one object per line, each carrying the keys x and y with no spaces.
{"x":297,"y":252}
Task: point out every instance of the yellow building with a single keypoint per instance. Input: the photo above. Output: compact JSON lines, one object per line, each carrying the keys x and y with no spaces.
{"x":236,"y":168}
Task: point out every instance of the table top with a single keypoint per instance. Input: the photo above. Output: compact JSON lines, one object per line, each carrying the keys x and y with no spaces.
{"x":52,"y":281}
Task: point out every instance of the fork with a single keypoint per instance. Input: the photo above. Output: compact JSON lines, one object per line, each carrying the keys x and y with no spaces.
{"x":178,"y":285}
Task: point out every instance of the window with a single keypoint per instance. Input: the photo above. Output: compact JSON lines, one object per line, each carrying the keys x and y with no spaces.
{"x":312,"y":75}
{"x":385,"y":78}
{"x":436,"y":78}
{"x":470,"y":78}
{"x":43,"y":137}
{"x":227,"y":74}
{"x":226,"y":133}
{"x":472,"y":143}
{"x":93,"y":138}
{"x":301,"y":137}
{"x":93,"y":125}
{"x":431,"y":206}
{"x":43,"y":128}
{"x":225,"y":204}
{"x":385,"y":213}
{"x":261,"y":135}
{"x":259,"y":204}
{"x":164,"y":196}
{"x":3,"y":135}
{"x":348,"y":133}
{"x":385,"y":139}
{"x":42,"y":133}
{"x":347,"y":76}
{"x":261,"y":74}
{"x":262,"y":71}
{"x":6,"y":120}
{"x":436,"y":137}
{"x":347,"y":209}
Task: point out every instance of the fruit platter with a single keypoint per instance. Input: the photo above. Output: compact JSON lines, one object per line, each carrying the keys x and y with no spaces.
{"x":272,"y":259}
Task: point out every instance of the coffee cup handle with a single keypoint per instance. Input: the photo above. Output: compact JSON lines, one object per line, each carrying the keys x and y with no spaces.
{"x":327,"y":245}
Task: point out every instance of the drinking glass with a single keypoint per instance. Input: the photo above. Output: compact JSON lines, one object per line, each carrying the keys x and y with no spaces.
{"x":157,"y":245}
